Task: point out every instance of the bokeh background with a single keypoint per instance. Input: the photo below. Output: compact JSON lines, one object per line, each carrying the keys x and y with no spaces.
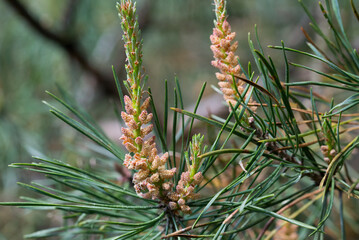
{"x":73,"y":44}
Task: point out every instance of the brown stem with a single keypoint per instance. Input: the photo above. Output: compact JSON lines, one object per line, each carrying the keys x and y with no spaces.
{"x":174,"y":234}
{"x":69,"y":14}
{"x":309,"y":39}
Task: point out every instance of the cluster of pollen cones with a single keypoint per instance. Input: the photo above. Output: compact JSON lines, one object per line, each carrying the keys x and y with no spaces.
{"x":226,"y":61}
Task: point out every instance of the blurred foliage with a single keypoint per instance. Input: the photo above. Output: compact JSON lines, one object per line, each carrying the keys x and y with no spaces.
{"x":176,"y":42}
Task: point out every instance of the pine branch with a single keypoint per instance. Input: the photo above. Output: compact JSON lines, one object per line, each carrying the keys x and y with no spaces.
{"x":70,"y":46}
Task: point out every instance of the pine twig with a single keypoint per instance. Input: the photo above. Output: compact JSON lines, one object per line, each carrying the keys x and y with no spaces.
{"x":70,"y":46}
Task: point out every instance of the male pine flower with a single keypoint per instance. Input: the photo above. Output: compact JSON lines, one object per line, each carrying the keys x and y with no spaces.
{"x":152,"y":178}
{"x":328,"y":150}
{"x":189,"y":179}
{"x":225,"y":59}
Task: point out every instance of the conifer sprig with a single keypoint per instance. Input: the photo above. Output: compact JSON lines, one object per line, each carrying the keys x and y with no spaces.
{"x":190,"y":178}
{"x":225,"y":59}
{"x":287,"y":157}
{"x":152,"y":179}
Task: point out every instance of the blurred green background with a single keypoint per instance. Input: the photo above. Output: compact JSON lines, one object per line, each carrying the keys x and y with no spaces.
{"x":74,"y":43}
